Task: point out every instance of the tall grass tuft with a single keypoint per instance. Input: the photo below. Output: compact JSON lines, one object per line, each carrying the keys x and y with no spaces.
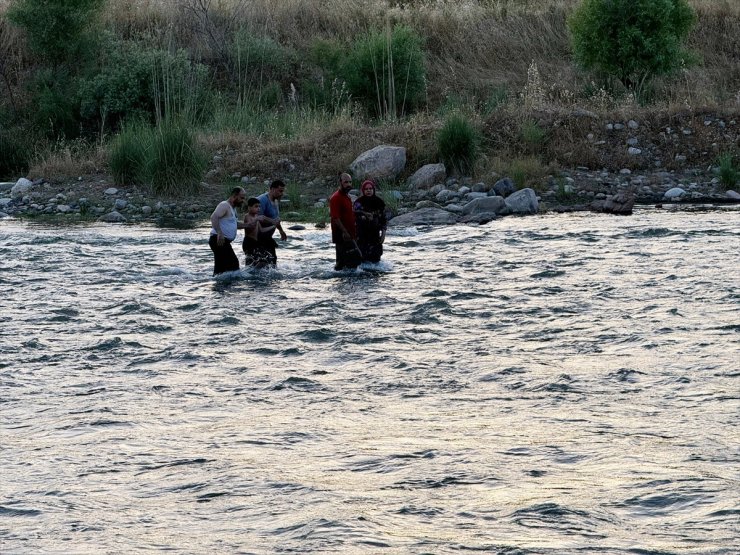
{"x":128,"y":154}
{"x":175,"y":163}
{"x":729,"y":174}
{"x":458,"y":144}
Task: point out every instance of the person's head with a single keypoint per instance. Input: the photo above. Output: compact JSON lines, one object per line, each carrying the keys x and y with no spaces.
{"x":237,"y":196}
{"x":277,"y":189}
{"x":345,"y":183}
{"x":253,"y":206}
{"x":367,"y":188}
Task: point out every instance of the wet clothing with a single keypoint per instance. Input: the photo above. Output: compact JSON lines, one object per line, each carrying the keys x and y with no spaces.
{"x":371,"y":222}
{"x":269,"y":208}
{"x":348,"y":255}
{"x":224,"y":258}
{"x":272,"y":211}
{"x":340,"y":207}
{"x":256,"y":254}
{"x":228,"y":225}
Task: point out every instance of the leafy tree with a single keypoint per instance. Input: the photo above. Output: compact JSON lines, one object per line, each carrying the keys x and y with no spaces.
{"x":58,"y":30}
{"x":632,"y":40}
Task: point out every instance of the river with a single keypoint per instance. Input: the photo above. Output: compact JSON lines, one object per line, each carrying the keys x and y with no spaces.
{"x":549,"y":384}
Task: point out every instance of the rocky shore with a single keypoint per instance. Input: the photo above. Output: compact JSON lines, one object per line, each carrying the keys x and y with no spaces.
{"x":644,"y":163}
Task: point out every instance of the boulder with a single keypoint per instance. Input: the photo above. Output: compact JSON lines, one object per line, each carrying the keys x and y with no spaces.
{"x":523,"y":201}
{"x":112,"y":218}
{"x":381,"y":162}
{"x":21,"y":187}
{"x":427,"y":204}
{"x":734,"y":195}
{"x":4,"y":202}
{"x":674,"y":193}
{"x":427,"y":176}
{"x":487,"y":204}
{"x":504,"y":187}
{"x":621,"y":204}
{"x":425,"y":216}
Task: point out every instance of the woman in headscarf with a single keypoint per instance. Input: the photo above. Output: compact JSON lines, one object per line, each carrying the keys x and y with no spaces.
{"x":371,"y":222}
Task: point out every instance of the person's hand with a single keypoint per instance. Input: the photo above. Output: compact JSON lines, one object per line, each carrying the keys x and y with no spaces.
{"x":346,"y":236}
{"x":382,"y":238}
{"x":283,"y":235}
{"x":220,"y":239}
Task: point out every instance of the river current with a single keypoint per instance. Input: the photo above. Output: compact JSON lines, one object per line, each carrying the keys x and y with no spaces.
{"x":548,"y":384}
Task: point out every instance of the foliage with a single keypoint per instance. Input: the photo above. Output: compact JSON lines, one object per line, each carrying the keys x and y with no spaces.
{"x":458,"y":144}
{"x":55,"y":103}
{"x":135,"y":82}
{"x":631,"y":40}
{"x":385,"y":72}
{"x":260,"y":65}
{"x":175,"y":163}
{"x":293,"y":193}
{"x":533,"y":136}
{"x":729,"y":173}
{"x":58,"y":30}
{"x":128,"y":154}
{"x":15,"y":153}
{"x":165,"y":157}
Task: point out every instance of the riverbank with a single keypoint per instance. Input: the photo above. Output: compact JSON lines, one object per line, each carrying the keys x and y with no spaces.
{"x":655,"y":158}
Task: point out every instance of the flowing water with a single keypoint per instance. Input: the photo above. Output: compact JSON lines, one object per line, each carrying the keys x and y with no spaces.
{"x":550,"y":384}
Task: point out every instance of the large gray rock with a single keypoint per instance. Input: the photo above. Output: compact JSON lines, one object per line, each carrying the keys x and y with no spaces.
{"x":427,"y":176}
{"x":112,"y":218}
{"x":734,"y":195}
{"x":21,"y":187}
{"x":523,"y":201}
{"x":484,"y":205}
{"x":674,"y":193}
{"x":621,"y":204}
{"x":425,"y":216}
{"x":381,"y":162}
{"x":504,"y":187}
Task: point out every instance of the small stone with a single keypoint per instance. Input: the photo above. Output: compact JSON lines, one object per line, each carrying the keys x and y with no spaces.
{"x":680,"y":158}
{"x":632,"y":141}
{"x":618,"y":126}
{"x":590,"y":136}
{"x":111,"y":191}
{"x":632,"y":124}
{"x":610,"y":127}
{"x":625,"y":171}
{"x":632,"y":151}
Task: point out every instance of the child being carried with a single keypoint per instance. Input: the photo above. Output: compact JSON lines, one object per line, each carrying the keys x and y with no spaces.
{"x":255,"y":224}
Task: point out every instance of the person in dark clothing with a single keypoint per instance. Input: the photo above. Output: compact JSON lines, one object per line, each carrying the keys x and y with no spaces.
{"x":371,"y":222}
{"x":343,"y":232}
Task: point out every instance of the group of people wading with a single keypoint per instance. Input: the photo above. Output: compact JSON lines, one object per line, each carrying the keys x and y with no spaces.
{"x":357,"y":227}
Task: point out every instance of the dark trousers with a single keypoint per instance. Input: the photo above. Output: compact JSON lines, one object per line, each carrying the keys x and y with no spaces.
{"x":224,"y":259}
{"x":348,"y":255}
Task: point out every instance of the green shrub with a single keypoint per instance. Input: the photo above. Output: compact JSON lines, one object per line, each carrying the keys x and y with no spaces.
{"x":458,"y":143}
{"x":260,"y":66}
{"x":385,"y":72}
{"x":631,"y":40}
{"x":134,"y":82}
{"x":729,"y":174}
{"x":175,"y":163}
{"x":533,"y":136}
{"x":55,"y":103}
{"x":15,"y":153}
{"x":129,"y":153}
{"x":58,"y":31}
{"x":293,"y":193}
